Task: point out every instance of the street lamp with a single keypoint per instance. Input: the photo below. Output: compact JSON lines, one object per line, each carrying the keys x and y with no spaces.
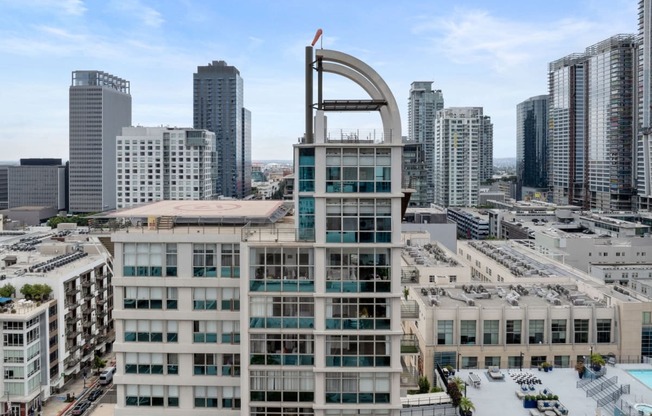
{"x":458,"y":361}
{"x":520,"y":362}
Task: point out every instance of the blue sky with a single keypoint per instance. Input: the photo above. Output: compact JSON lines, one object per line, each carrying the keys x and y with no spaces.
{"x":490,"y":53}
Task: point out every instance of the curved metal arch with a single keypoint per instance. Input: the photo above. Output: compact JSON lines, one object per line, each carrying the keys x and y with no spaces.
{"x":392,"y":117}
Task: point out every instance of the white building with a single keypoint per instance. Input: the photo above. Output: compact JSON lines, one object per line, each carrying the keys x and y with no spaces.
{"x":160,"y":163}
{"x":462,"y":147}
{"x":320,"y":330}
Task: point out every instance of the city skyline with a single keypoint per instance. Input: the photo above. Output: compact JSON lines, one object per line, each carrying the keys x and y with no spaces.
{"x":493,"y":55}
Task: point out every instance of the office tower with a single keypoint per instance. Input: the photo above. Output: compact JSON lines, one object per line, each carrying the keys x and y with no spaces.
{"x":423,"y":104}
{"x":458,"y":133}
{"x":4,"y":187}
{"x":532,"y":146}
{"x":238,"y":307}
{"x":486,"y":150}
{"x":218,"y":107}
{"x":590,"y":130}
{"x":415,"y":173}
{"x":37,"y":183}
{"x":567,"y":128}
{"x":100,"y":106}
{"x":155,"y":163}
{"x":643,"y":115}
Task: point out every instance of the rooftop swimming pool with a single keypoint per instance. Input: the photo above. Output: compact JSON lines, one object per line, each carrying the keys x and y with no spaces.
{"x":644,"y":376}
{"x":643,"y":409}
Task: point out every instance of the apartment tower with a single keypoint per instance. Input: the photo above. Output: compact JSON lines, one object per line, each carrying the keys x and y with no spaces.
{"x":100,"y":106}
{"x":532,"y":146}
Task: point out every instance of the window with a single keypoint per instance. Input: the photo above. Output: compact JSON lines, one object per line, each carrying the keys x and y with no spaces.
{"x":231,"y":365}
{"x":143,"y":298}
{"x":281,"y":349}
{"x":170,"y":259}
{"x":562,"y":361}
{"x":230,"y":260}
{"x":230,"y":397}
{"x":205,"y":396}
{"x":204,"y":298}
{"x":357,"y":351}
{"x":143,"y":363}
{"x":13,"y":340}
{"x":558,"y":329}
{"x":581,"y":330}
{"x":467,"y":333}
{"x":444,"y":332}
{"x":491,"y":361}
{"x":205,"y":365}
{"x":536,"y":330}
{"x":469,"y":362}
{"x":281,"y":312}
{"x":350,"y":171}
{"x":491,"y":332}
{"x":603,"y":330}
{"x":513,"y":331}
{"x":144,"y":395}
{"x":143,"y":330}
{"x":306,"y":170}
{"x":363,"y":270}
{"x":352,"y":220}
{"x":286,"y":269}
{"x":172,"y":298}
{"x":146,"y":259}
{"x":204,"y":262}
{"x":357,"y":388}
{"x":205,"y":331}
{"x":357,"y":313}
{"x":647,"y":317}
{"x":291,"y":386}
{"x":173,"y":364}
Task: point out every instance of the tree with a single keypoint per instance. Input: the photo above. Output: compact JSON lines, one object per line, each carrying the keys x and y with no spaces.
{"x":454,"y":393}
{"x":424,"y":385}
{"x":98,"y":363}
{"x":27,"y":290}
{"x":7,"y":291}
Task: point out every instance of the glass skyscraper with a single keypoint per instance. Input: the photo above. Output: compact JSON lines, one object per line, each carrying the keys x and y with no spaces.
{"x":532,"y":144}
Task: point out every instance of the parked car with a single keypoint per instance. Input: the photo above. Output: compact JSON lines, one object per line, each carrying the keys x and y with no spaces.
{"x":80,"y":408}
{"x":107,"y":376}
{"x":93,"y":395}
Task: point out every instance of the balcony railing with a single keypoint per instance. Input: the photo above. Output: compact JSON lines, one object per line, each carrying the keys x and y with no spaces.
{"x":275,"y":233}
{"x":409,"y":344}
{"x":409,"y":309}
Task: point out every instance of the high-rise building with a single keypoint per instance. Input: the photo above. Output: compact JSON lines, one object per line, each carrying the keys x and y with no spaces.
{"x":218,"y":107}
{"x":567,"y":127}
{"x":459,"y":132}
{"x":423,"y":104}
{"x":590,"y":131}
{"x":643,"y":114}
{"x":4,"y":187}
{"x":156,"y":163}
{"x":532,"y":145}
{"x":415,"y":173}
{"x":486,"y":150}
{"x":100,"y":106}
{"x":37,"y":182}
{"x":239,"y":308}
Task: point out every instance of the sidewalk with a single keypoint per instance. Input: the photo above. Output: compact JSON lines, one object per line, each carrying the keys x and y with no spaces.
{"x":56,"y":404}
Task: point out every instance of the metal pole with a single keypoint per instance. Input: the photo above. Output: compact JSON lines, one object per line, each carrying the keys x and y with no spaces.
{"x":309,"y":128}
{"x":520,"y":363}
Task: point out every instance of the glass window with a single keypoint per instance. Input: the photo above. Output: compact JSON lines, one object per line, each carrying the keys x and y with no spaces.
{"x":204,"y":262}
{"x":445,"y":332}
{"x":467,"y":333}
{"x":581,"y":330}
{"x":491,"y":332}
{"x":558,"y":329}
{"x":604,"y":330}
{"x":535,"y":331}
{"x":513,"y":331}
{"x":281,"y":349}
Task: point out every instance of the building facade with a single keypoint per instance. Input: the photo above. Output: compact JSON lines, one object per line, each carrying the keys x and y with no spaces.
{"x":156,"y":163}
{"x":218,"y":99}
{"x":423,"y":104}
{"x":415,"y":173}
{"x":37,"y":182}
{"x":532,"y":145}
{"x":643,"y":114}
{"x":100,"y":106}
{"x":459,"y":155}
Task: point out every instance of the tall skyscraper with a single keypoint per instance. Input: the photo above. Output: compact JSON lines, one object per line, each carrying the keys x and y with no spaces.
{"x":643,"y":115}
{"x":532,"y":145}
{"x":218,"y":107}
{"x":591,"y":109}
{"x":486,"y":149}
{"x":567,"y":129}
{"x":458,"y":157}
{"x":156,"y":163}
{"x":423,"y":104}
{"x":100,"y":106}
{"x":415,"y":173}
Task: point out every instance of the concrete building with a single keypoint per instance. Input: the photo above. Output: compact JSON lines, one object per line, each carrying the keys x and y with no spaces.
{"x":643,"y":114}
{"x":78,"y":323}
{"x":4,"y":187}
{"x":419,"y":154}
{"x":218,"y":99}
{"x":461,"y":147}
{"x":301,"y":342}
{"x":100,"y":106}
{"x":433,"y":221}
{"x":38,"y":182}
{"x":471,"y":223}
{"x":156,"y":163}
{"x":532,"y":163}
{"x":520,"y":309}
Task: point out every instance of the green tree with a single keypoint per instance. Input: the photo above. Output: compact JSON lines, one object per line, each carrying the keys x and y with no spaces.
{"x":27,"y":290}
{"x":7,"y":291}
{"x":424,"y":385}
{"x":98,"y":363}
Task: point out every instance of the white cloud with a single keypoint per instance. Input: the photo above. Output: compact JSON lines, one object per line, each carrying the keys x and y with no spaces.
{"x":67,"y":7}
{"x":148,"y":15}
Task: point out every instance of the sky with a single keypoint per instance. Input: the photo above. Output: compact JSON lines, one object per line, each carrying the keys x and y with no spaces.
{"x":488,"y":53}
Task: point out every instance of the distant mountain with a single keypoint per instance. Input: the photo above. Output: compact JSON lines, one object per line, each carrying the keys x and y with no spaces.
{"x":505,"y":162}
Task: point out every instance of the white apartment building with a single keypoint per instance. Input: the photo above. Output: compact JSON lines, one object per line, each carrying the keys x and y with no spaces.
{"x":78,"y":324}
{"x":462,"y":146}
{"x":161,"y":163}
{"x":242,"y":309}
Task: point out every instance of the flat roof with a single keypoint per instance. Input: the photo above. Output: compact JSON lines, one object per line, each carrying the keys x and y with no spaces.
{"x":227,"y":211}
